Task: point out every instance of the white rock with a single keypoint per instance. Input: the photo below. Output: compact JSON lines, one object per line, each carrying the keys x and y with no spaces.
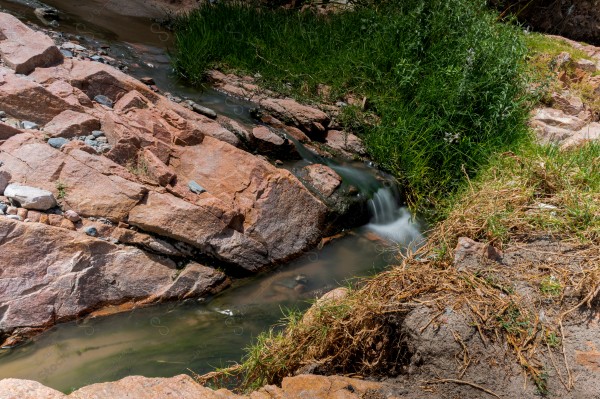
{"x":30,"y":197}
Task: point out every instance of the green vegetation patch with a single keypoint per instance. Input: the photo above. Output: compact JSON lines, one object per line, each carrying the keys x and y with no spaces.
{"x":444,"y":78}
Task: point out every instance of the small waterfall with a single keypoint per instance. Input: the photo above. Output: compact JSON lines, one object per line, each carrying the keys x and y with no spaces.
{"x":391,"y":221}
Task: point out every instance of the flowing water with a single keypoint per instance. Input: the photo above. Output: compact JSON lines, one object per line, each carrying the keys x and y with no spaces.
{"x":171,"y":339}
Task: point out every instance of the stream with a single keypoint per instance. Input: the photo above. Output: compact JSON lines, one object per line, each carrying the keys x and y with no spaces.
{"x":174,"y":338}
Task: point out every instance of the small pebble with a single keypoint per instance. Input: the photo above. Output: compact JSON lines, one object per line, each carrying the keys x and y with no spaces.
{"x":91,"y":137}
{"x":22,"y":213}
{"x":195,"y":187}
{"x":29,"y":125}
{"x":66,"y":53}
{"x":97,"y":133}
{"x":100,"y":99}
{"x":57,"y":142}
{"x":2,"y":114}
{"x":72,"y":216}
{"x":14,"y":217}
{"x":104,"y":148}
{"x":91,"y":231}
{"x":3,"y":208}
{"x":102,"y":140}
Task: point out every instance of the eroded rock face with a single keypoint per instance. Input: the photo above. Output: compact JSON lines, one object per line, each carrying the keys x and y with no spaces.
{"x":576,"y":19}
{"x":69,"y":274}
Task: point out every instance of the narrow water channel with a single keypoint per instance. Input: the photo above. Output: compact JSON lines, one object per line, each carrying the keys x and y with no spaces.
{"x":171,"y":339}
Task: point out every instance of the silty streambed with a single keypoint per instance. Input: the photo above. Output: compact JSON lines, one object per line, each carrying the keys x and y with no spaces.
{"x":170,"y":339}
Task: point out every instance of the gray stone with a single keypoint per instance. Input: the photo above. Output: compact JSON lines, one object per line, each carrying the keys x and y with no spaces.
{"x":91,"y":137}
{"x":57,"y":142}
{"x":91,"y":231}
{"x":102,"y":140}
{"x":29,"y":125}
{"x":2,"y":114}
{"x":202,"y":110}
{"x":100,"y":99}
{"x":196,"y":188}
{"x":66,"y":53}
{"x":3,"y":208}
{"x":30,"y":197}
{"x":72,"y":46}
{"x":97,"y":133}
{"x":15,"y":217}
{"x":97,"y":58}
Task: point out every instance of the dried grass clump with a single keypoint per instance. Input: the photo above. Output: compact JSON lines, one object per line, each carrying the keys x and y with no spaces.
{"x":538,"y":193}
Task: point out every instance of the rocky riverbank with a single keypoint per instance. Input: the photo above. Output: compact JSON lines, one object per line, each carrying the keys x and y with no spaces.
{"x":117,"y":195}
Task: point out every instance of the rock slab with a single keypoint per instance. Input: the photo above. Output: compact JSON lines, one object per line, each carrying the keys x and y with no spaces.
{"x":23,"y":49}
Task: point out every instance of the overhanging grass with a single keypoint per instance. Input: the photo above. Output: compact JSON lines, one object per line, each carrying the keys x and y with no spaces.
{"x":444,"y":77}
{"x":537,"y":192}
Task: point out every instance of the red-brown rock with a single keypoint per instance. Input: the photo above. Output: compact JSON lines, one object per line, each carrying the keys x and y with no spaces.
{"x":20,"y":98}
{"x":205,"y":225}
{"x":276,"y":208}
{"x":7,"y":131}
{"x":23,"y":49}
{"x":70,"y":124}
{"x":51,"y":275}
{"x":323,"y":178}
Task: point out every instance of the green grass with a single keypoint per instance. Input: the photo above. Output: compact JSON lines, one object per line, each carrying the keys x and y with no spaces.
{"x":445,"y":79}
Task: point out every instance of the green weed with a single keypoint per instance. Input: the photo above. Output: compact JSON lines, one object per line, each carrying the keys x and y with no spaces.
{"x":445,"y":79}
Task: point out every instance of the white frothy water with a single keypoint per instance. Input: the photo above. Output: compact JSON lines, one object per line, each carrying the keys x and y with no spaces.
{"x":392,"y":222}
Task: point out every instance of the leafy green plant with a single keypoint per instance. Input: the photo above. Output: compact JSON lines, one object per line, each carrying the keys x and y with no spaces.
{"x":550,"y":286}
{"x":444,"y":78}
{"x":62,"y":189}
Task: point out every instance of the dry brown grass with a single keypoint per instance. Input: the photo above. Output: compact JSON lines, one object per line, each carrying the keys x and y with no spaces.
{"x":540,"y":193}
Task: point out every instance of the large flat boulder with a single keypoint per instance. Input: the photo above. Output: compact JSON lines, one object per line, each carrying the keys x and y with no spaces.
{"x":24,"y":49}
{"x":70,"y":124}
{"x":90,"y":184}
{"x":21,"y":98}
{"x":206,"y":225}
{"x":49,"y":275}
{"x":277,"y":209}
